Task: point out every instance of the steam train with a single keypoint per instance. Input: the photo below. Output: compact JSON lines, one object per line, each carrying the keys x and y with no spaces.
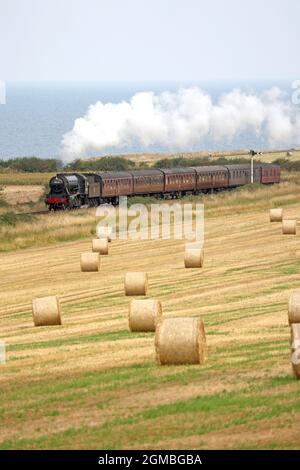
{"x":71,"y":191}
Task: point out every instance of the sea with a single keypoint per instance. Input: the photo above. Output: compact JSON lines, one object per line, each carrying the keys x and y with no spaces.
{"x":37,"y":115}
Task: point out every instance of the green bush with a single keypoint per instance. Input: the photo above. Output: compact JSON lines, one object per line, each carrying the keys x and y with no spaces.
{"x":31,"y":165}
{"x":287,"y":164}
{"x":3,"y":202}
{"x":198,"y":161}
{"x":101,"y":164}
{"x":10,"y":218}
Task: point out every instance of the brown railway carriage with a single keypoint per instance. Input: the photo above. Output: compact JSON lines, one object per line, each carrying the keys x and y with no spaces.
{"x":270,"y":174}
{"x":240,"y":174}
{"x":211,"y":177}
{"x":178,"y":180}
{"x":147,"y":181}
{"x":116,"y":183}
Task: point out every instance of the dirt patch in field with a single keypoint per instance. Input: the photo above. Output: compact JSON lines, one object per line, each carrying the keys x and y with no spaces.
{"x":22,"y":194}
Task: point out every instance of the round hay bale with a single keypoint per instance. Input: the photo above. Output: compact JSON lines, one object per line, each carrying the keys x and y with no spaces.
{"x":276,"y":215}
{"x":46,"y":311}
{"x":104,"y":232}
{"x":289,"y":227}
{"x":294,"y":308}
{"x":180,"y":341}
{"x":296,"y":363}
{"x":144,"y":315}
{"x":136,"y":283}
{"x":193,"y":258}
{"x":100,"y":245}
{"x":89,"y":261}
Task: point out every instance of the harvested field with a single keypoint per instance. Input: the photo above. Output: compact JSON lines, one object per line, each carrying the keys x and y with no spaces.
{"x":19,"y":195}
{"x":91,"y":383}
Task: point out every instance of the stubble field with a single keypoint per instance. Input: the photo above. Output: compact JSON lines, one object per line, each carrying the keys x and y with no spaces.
{"x":92,"y":384}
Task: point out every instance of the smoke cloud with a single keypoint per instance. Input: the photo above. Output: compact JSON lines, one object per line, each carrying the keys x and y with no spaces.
{"x":182,"y":119}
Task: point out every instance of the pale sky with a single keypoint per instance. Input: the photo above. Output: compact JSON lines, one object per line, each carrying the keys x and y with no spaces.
{"x":46,"y":40}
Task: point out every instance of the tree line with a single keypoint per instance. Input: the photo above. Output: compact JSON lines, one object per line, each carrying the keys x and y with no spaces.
{"x":117,"y":163}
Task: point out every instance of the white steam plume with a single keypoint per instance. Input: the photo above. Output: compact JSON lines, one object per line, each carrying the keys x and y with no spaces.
{"x":181,"y":119}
